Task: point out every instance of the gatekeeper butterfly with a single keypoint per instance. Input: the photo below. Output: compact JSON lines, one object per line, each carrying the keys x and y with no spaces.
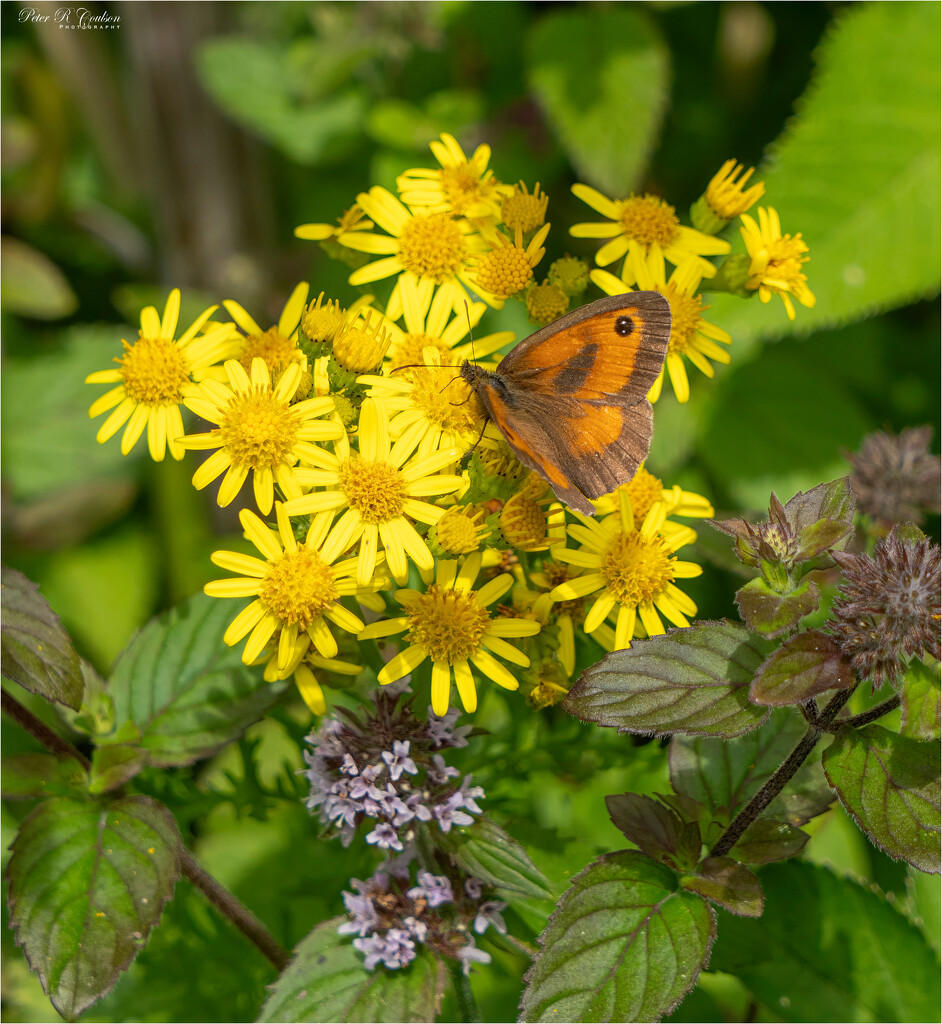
{"x":571,"y":400}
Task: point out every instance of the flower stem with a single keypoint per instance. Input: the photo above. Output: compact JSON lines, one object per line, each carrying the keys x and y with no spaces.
{"x":192,"y":870}
{"x":866,"y":717}
{"x":467,"y":1007}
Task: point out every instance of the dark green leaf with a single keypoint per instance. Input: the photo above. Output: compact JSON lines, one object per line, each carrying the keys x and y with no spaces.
{"x":31,"y":775}
{"x":921,"y":701}
{"x":769,"y":612}
{"x":87,"y":883}
{"x":326,"y":981}
{"x":692,"y":680}
{"x":36,"y":651}
{"x":804,"y":666}
{"x":486,"y":851}
{"x":655,"y":829}
{"x":186,"y":691}
{"x":768,"y":840}
{"x":625,"y":943}
{"x":726,"y":776}
{"x":114,"y":764}
{"x":32,"y":284}
{"x":828,"y":505}
{"x":728,"y":884}
{"x":581,"y":67}
{"x":890,"y":784}
{"x":829,"y":949}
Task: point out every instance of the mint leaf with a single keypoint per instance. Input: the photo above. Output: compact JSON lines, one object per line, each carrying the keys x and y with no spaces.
{"x":772,"y":612}
{"x":113,"y":764}
{"x":767,"y":840}
{"x":804,"y":666}
{"x":25,"y":776}
{"x":730,"y":885}
{"x":655,"y":829}
{"x":921,"y":701}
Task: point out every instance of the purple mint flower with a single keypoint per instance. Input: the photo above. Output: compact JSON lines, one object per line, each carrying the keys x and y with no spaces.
{"x":341,"y":810}
{"x":468,"y":955}
{"x":400,"y":949}
{"x":416,"y":927}
{"x":473,"y":887}
{"x":441,"y":730}
{"x":448,"y":813}
{"x":489,"y":914}
{"x":362,"y":785}
{"x":385,"y":837}
{"x":374,"y":948}
{"x":398,"y":867}
{"x":365,"y":918}
{"x":469,"y":794}
{"x":349,"y":766}
{"x":435,"y":889}
{"x":398,"y":760}
{"x":439,"y":772}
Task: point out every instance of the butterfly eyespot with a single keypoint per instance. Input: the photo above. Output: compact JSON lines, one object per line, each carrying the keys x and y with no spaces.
{"x":624,"y":325}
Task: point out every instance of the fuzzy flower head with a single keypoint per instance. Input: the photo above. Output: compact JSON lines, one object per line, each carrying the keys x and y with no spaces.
{"x":258,"y":431}
{"x":692,"y":339}
{"x":888,"y":607}
{"x":775,"y":261}
{"x":640,"y":226}
{"x":449,"y":624}
{"x":296,"y":590}
{"x":153,"y":376}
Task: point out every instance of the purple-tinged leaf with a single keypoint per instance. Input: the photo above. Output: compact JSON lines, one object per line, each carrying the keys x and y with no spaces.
{"x":692,"y":680}
{"x":817,"y":538}
{"x":35,"y":650}
{"x":804,"y":666}
{"x":88,"y":881}
{"x":767,"y":840}
{"x":729,"y":884}
{"x":768,"y":612}
{"x":890,"y":785}
{"x":831,"y":501}
{"x":326,"y":981}
{"x":114,"y":764}
{"x":626,"y":942}
{"x":27,"y":776}
{"x":655,"y":829}
{"x":921,"y":701}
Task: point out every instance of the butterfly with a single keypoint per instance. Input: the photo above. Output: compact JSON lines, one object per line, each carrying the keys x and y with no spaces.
{"x":571,"y":400}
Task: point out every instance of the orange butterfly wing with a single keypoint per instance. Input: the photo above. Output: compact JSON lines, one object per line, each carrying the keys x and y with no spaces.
{"x":571,"y":399}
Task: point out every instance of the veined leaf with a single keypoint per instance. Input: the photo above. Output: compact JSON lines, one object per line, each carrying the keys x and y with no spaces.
{"x":922,"y":697}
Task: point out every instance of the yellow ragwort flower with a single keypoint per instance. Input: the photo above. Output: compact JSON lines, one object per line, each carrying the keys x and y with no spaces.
{"x":645,"y":490}
{"x":633,"y":568}
{"x":692,"y":337}
{"x":508,"y":267}
{"x":776,"y":261}
{"x":297,"y":591}
{"x":352,"y":220}
{"x":361,"y":342}
{"x":643,"y":225}
{"x":462,"y":186}
{"x":381,"y":488}
{"x":725,"y":197}
{"x":546,"y":302}
{"x":278,"y":345}
{"x":450,"y":624}
{"x":258,"y":431}
{"x":153,"y":375}
{"x":524,"y":210}
{"x":459,"y":531}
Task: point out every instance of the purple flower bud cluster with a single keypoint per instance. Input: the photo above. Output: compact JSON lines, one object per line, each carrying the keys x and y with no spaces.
{"x":384,"y":768}
{"x":391,"y":918}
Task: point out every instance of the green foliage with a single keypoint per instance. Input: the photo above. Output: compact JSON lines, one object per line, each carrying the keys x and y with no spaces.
{"x":804,"y":666}
{"x":922,"y":698}
{"x":32,"y":284}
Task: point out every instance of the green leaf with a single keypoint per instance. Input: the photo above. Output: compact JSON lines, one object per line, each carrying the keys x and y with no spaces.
{"x":728,"y":884}
{"x":770,"y":612}
{"x":87,"y":883}
{"x":326,"y":981}
{"x":767,"y":840}
{"x":692,"y":680}
{"x":188,"y":692}
{"x":804,"y":666}
{"x":827,"y":504}
{"x":921,"y":701}
{"x":114,"y":764}
{"x":726,"y":776}
{"x":582,"y":67}
{"x":656,"y":830}
{"x":30,"y":775}
{"x":890,"y":784}
{"x":35,"y":651}
{"x":625,"y":943}
{"x":486,"y":851}
{"x":829,"y":949}
{"x":868,"y":209}
{"x":32,"y":284}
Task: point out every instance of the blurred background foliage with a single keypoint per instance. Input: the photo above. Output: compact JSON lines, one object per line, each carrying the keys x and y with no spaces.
{"x":182,"y":147}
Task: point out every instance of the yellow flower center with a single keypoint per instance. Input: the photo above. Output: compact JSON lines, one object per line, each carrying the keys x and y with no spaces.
{"x":648,"y":219}
{"x":504,"y":271}
{"x":685,"y":317}
{"x":636,"y":568}
{"x":569,"y":273}
{"x":376,"y":490}
{"x":154,"y":370}
{"x":410,"y":351}
{"x":299,"y":587}
{"x":458,"y":531}
{"x":432,"y":246}
{"x":449,"y":624}
{"x":445,"y":398}
{"x":322,"y":321}
{"x":502,"y":462}
{"x":461,"y":186}
{"x":546,"y":302}
{"x":277,"y":350}
{"x":360,"y":348}
{"x":259,"y":430}
{"x":523,"y":210}
{"x":644,"y":489}
{"x":785,"y":257}
{"x":523,"y":522}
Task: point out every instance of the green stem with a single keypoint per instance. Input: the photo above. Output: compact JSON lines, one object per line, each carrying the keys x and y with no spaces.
{"x":866,"y":717}
{"x":467,"y":1007}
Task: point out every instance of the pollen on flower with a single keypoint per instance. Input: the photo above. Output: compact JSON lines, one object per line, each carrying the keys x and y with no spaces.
{"x":322,"y":320}
{"x":523,"y":210}
{"x":523,"y":522}
{"x":376,"y":490}
{"x":546,"y":302}
{"x":448,"y":623}
{"x":649,"y":220}
{"x":153,"y":370}
{"x":298,"y":587}
{"x":258,"y":430}
{"x":432,"y":246}
{"x":504,"y":271}
{"x":459,"y":530}
{"x":636,"y":568}
{"x":361,"y":345}
{"x":272,"y":346}
{"x":446,"y":399}
{"x":570,"y":274}
{"x":644,"y":489}
{"x":410,"y":350}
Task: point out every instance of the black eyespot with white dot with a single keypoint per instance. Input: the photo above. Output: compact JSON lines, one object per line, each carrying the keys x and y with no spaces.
{"x":624,"y":325}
